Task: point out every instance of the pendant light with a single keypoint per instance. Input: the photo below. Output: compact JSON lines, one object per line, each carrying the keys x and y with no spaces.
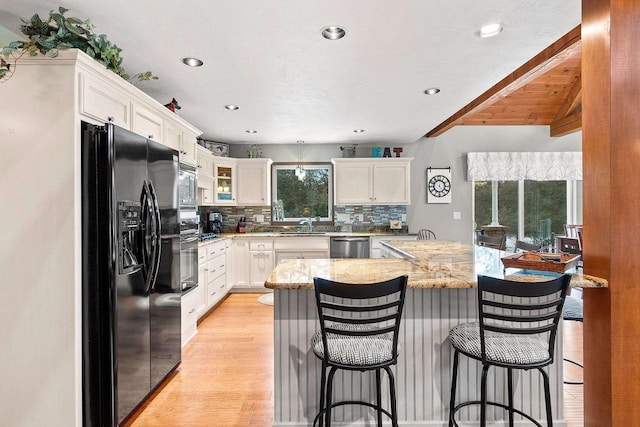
{"x":300,"y":172}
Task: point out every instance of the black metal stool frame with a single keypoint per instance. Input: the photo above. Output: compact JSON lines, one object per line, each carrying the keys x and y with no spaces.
{"x":387,"y":314}
{"x":573,"y":312}
{"x":551,"y":316}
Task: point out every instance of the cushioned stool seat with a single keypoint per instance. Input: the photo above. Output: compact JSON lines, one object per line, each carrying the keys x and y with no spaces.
{"x":366,"y":350}
{"x":502,"y":348}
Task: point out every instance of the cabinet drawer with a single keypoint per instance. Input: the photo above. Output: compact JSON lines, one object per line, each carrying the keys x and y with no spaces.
{"x":103,"y":102}
{"x":189,"y":316}
{"x":301,"y":243}
{"x":215,"y":249}
{"x":147,"y":123}
{"x":216,"y":267}
{"x":261,"y":245}
{"x":216,"y":290}
{"x":202,"y":254}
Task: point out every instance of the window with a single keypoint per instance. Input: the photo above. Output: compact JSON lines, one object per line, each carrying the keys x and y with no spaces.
{"x":295,"y":199}
{"x":533,"y":211}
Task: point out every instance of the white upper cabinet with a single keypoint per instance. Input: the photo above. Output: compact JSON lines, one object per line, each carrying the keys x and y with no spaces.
{"x":225,"y":177}
{"x":100,"y":101}
{"x":353,"y":183}
{"x":372,"y":181}
{"x":181,"y":140}
{"x":241,"y":182}
{"x":147,"y":123}
{"x":204,"y":159}
{"x":254,"y":183}
{"x":392,"y":183}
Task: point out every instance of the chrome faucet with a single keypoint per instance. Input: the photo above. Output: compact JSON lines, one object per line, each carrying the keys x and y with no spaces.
{"x":308,"y":223}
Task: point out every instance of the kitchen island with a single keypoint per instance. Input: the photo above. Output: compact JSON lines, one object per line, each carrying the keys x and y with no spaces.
{"x":441,"y":294}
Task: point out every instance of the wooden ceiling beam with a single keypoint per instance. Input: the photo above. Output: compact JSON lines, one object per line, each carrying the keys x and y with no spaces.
{"x":572,"y":102}
{"x":566,"y":125}
{"x":557,"y":52}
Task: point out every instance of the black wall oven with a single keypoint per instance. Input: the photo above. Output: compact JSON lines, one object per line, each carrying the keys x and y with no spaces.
{"x":189,"y":223}
{"x":188,"y":250}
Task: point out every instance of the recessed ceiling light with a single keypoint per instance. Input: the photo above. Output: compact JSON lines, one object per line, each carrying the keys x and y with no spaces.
{"x":251,"y":131}
{"x":489,"y":30}
{"x":333,"y":32}
{"x":231,"y":107}
{"x":359,"y":130}
{"x":192,"y":62}
{"x":432,"y":91}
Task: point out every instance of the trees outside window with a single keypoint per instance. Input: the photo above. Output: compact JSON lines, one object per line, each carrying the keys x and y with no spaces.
{"x":534,"y":211}
{"x":295,"y":199}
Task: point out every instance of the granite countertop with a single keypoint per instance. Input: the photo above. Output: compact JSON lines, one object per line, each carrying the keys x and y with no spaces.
{"x":435,"y":264}
{"x":314,"y":234}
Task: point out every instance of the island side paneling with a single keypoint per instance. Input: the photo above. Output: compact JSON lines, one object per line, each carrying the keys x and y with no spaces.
{"x":423,"y":372}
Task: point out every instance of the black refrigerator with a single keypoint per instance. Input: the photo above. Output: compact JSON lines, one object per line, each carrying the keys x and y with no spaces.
{"x":131,"y":270}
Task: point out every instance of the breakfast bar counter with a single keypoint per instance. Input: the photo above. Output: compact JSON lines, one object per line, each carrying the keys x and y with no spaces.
{"x":428,"y":263}
{"x":441,"y":294}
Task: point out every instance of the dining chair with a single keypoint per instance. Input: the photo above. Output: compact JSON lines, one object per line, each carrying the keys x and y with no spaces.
{"x":495,"y":242}
{"x":571,"y":230}
{"x":526,"y":246}
{"x":425,"y":234}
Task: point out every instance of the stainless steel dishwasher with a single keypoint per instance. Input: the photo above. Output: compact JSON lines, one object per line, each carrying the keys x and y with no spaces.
{"x":349,"y":247}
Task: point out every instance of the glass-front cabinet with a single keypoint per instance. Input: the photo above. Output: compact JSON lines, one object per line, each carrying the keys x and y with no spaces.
{"x":225,"y":182}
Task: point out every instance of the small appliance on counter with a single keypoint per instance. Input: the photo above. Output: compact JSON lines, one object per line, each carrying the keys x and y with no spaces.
{"x":205,"y":237}
{"x":242,"y":225}
{"x":215,"y":223}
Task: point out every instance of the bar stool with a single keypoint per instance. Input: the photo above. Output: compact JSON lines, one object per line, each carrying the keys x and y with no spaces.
{"x":359,"y":325}
{"x":514,"y":333}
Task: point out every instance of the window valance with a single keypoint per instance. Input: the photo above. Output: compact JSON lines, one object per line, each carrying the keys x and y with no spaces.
{"x":537,"y":166}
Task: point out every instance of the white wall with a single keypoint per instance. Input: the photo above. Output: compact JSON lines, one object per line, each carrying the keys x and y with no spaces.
{"x":449,"y":149}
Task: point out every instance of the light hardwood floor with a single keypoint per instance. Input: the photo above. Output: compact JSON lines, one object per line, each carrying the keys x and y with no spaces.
{"x":226,"y":375}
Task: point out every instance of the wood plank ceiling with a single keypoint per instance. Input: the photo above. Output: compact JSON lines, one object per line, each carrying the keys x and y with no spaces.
{"x":546,"y":90}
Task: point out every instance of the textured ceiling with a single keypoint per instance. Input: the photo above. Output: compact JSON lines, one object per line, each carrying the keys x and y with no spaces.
{"x":268,"y":58}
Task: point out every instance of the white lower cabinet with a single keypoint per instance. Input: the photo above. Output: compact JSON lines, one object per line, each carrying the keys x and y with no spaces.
{"x":261,"y":260}
{"x":240,"y":263}
{"x":212,"y":276}
{"x":216,"y":279}
{"x":189,"y":315}
{"x":252,"y":263}
{"x":228,"y":255}
{"x":301,"y":248}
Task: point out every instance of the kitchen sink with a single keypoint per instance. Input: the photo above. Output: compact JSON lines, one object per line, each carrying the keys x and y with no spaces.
{"x":302,"y":232}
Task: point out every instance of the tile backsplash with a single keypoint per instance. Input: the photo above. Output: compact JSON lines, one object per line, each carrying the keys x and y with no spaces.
{"x":352,"y":217}
{"x":376,"y":215}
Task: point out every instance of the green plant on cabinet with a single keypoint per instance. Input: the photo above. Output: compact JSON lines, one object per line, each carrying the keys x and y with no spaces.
{"x":62,"y":32}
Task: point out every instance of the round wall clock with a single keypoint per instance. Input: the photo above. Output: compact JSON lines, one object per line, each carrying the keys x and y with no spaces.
{"x":439,"y":185}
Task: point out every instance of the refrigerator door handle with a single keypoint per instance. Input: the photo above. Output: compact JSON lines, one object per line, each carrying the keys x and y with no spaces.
{"x":150,"y":244}
{"x":158,"y":234}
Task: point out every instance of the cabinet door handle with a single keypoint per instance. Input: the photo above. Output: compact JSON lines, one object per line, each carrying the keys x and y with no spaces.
{"x":213,"y":293}
{"x":192,"y":310}
{"x":151,"y":136}
{"x":206,"y":269}
{"x":110,"y":118}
